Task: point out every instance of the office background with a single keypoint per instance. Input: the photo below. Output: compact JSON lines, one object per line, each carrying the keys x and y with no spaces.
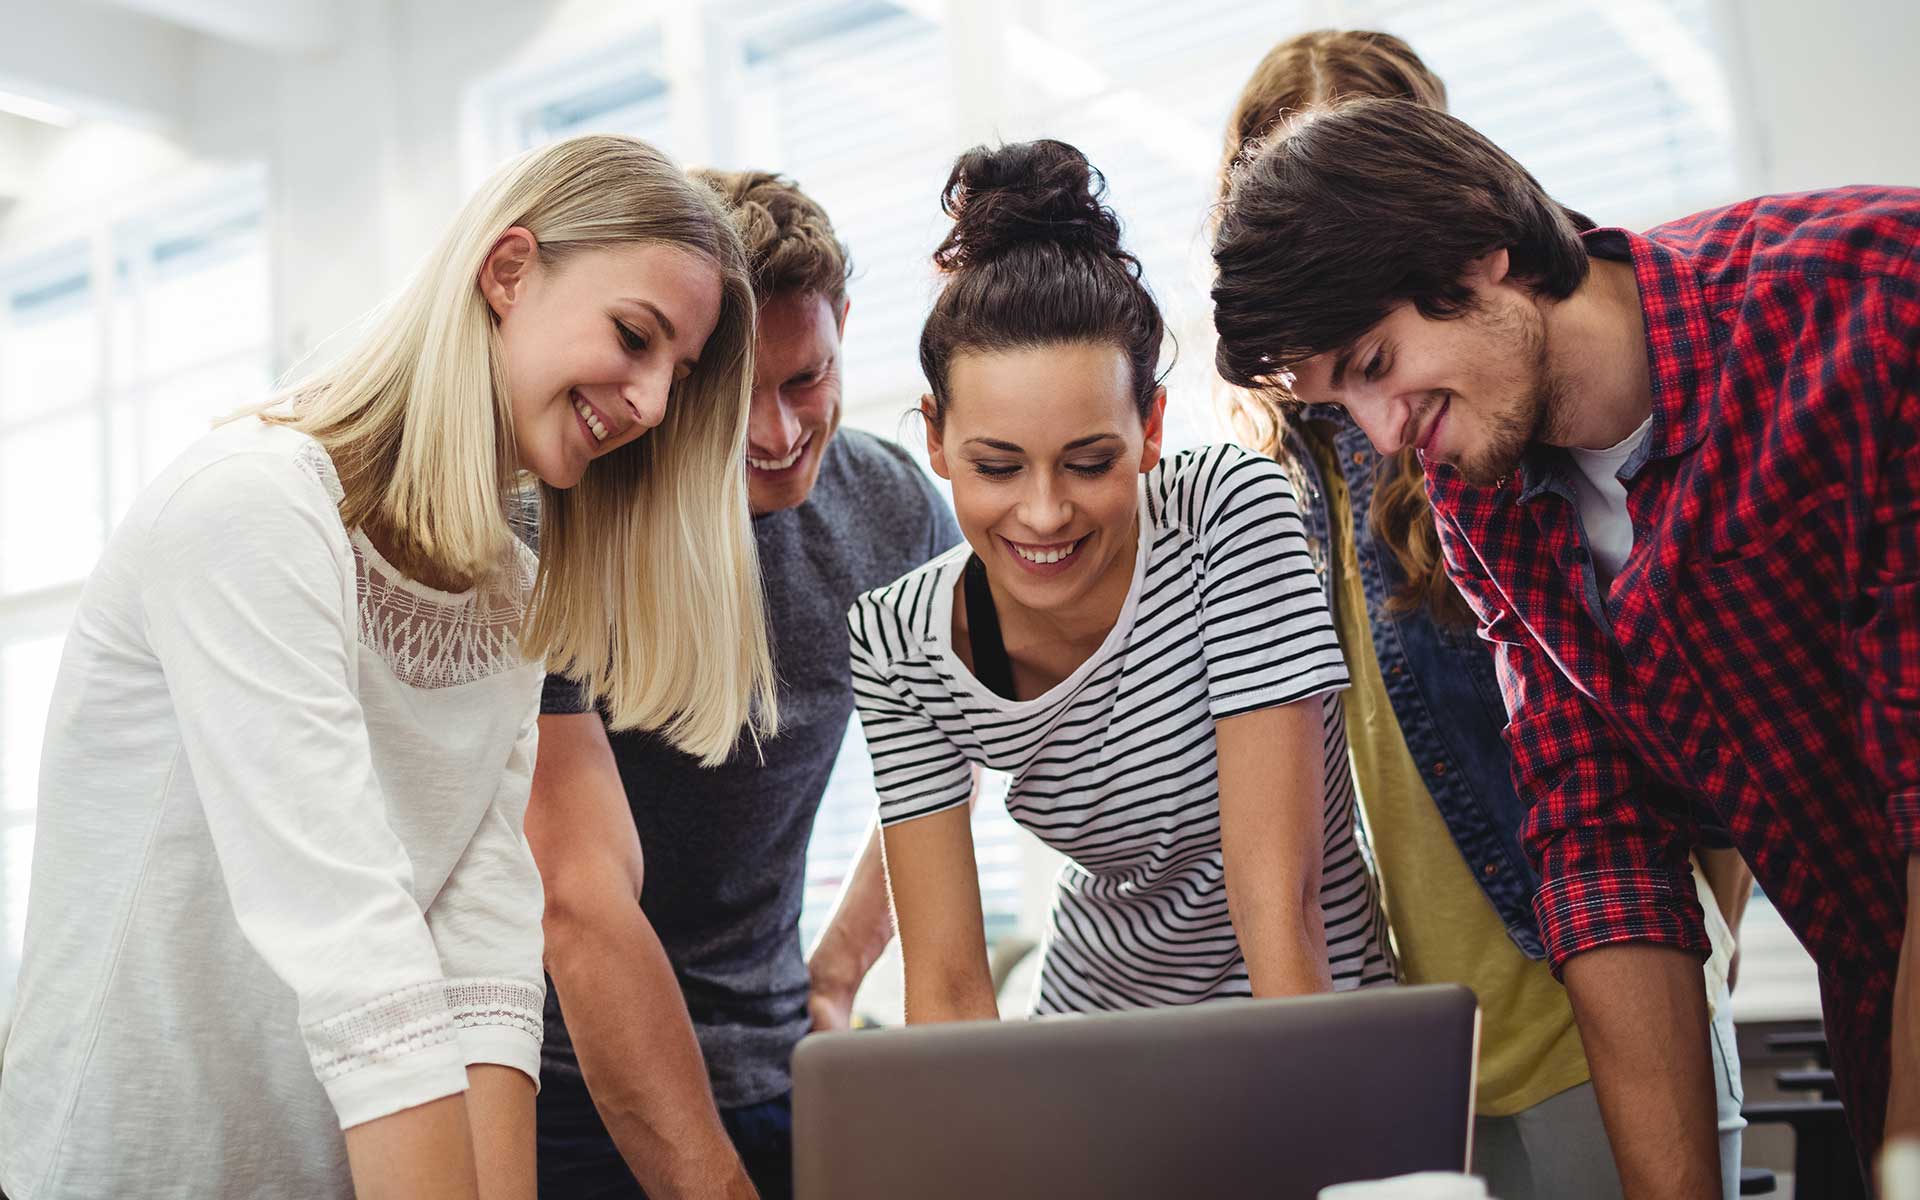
{"x":196,"y":194}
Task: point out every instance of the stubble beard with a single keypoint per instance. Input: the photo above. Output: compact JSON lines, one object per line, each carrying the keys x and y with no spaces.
{"x":1532,"y":418}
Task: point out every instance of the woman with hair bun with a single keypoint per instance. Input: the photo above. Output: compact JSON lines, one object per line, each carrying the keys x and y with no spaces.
{"x":284,"y":931}
{"x":1139,"y":640}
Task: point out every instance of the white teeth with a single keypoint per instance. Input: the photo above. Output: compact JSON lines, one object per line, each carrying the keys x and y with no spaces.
{"x":1046,"y":556}
{"x":778,"y":464}
{"x":593,"y":422}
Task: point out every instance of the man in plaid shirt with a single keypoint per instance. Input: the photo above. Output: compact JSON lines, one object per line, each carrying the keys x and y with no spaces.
{"x":1678,"y":478}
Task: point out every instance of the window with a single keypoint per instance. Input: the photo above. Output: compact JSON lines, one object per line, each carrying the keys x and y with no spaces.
{"x":116,"y":351}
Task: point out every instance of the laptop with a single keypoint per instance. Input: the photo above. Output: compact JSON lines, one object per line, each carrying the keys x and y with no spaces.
{"x":1268,"y":1098}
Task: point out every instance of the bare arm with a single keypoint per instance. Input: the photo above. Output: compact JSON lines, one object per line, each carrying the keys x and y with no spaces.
{"x":419,"y":1153}
{"x":1731,"y":881}
{"x":624,"y":1010}
{"x":500,"y":1116}
{"x":1643,"y":1019}
{"x":1270,"y":835}
{"x":1732,"y":885}
{"x":856,"y":935}
{"x":936,"y":900}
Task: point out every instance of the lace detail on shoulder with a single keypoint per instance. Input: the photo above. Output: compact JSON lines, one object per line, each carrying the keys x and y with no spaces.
{"x":312,"y":458}
{"x":380,"y":1031}
{"x":507,"y":1002}
{"x":432,"y":639}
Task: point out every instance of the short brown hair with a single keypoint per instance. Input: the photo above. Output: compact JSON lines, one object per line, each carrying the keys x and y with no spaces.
{"x":1344,"y":214}
{"x":1323,"y":67}
{"x":791,"y":245}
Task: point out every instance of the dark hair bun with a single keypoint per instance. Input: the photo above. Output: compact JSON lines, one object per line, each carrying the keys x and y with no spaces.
{"x":1019,"y":194}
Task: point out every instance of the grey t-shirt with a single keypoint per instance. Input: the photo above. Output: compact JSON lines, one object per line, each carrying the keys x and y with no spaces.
{"x":726,"y":846}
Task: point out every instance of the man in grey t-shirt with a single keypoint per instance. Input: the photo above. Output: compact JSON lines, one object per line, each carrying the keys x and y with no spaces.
{"x":701,"y":984}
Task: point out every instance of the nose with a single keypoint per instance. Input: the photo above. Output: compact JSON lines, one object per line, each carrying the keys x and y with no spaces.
{"x":646,"y":398}
{"x":772,"y":425}
{"x":1043,"y":508}
{"x":1387,"y":421}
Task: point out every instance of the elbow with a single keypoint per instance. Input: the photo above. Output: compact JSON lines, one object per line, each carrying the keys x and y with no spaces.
{"x":585,"y":909}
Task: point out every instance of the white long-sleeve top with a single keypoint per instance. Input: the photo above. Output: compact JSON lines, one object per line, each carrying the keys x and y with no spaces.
{"x":280,"y":885}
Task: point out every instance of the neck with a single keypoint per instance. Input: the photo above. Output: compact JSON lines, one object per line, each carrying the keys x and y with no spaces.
{"x":1597,"y":360}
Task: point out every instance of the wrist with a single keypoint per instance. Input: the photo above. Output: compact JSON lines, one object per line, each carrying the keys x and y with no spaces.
{"x":834,"y":969}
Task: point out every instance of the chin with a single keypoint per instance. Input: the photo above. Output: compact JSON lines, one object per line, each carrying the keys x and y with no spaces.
{"x":559,"y":472}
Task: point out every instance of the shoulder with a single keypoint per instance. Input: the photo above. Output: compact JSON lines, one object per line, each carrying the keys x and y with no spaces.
{"x":1852,"y":232}
{"x":898,"y":620}
{"x":862,"y":465}
{"x":1214,"y":488}
{"x":245,"y":475}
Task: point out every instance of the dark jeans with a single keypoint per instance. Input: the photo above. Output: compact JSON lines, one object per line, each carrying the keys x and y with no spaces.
{"x":578,"y":1160}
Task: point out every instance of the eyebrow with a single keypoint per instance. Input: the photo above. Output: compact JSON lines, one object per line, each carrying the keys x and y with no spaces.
{"x":1011,"y":448}
{"x":1340,"y":362}
{"x":666,"y":326}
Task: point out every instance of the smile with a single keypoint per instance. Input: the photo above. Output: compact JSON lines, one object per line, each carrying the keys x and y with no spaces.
{"x":781,"y":464}
{"x":1047,"y":555}
{"x":595,"y":425}
{"x":1433,"y":427}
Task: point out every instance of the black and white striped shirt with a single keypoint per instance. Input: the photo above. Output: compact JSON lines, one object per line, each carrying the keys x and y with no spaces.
{"x":1115,"y":766}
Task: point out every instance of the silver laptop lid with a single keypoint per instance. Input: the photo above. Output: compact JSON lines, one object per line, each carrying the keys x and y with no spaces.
{"x":1269,"y":1098}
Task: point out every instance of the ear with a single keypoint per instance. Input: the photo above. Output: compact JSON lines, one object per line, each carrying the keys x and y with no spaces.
{"x":1156,"y":429}
{"x":936,"y":448}
{"x":504,"y":275}
{"x":1488,"y":270}
{"x":840,"y":325}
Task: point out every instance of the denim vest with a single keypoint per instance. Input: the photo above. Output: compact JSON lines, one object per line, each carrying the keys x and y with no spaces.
{"x":1440,"y":681}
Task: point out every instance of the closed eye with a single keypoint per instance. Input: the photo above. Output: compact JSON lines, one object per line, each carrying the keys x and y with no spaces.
{"x":634,"y":341}
{"x":996,"y":470}
{"x":1091,"y":470}
{"x":1377,"y":365}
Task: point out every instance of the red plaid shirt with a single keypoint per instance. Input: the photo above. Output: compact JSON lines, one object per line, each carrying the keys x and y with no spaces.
{"x":1759,"y":654}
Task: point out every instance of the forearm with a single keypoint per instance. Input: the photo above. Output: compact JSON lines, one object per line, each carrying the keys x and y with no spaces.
{"x":630,"y":1030}
{"x":858,"y":931}
{"x":950,"y":992}
{"x":419,"y":1153}
{"x":1731,"y":881}
{"x":1643,"y":1020}
{"x":1903,"y":1098}
{"x":500,"y":1114}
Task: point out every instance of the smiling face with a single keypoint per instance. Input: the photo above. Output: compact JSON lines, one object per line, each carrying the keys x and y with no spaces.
{"x":594,"y":344}
{"x":1044,"y":447}
{"x":1472,"y":391}
{"x":796,"y":397}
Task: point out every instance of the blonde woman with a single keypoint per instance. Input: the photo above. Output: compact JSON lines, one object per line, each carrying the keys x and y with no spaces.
{"x":280,"y":889}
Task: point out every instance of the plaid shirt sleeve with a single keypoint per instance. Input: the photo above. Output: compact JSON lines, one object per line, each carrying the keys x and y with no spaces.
{"x":1885,"y":647}
{"x":1613,"y":866}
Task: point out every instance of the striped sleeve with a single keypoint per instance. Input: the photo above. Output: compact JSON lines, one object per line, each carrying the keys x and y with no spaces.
{"x":917,"y":771}
{"x":1264,"y":624}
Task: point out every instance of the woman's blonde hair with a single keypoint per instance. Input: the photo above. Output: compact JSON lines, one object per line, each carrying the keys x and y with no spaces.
{"x":649,"y":587}
{"x":1313,"y":70}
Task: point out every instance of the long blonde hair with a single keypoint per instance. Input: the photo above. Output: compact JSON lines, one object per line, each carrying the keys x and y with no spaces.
{"x":1313,"y":70}
{"x":649,"y":587}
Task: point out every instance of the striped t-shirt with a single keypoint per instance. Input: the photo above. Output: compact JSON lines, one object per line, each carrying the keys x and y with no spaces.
{"x":1115,"y":766}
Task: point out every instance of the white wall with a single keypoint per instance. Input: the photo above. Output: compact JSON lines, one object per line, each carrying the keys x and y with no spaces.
{"x":1831,"y":87}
